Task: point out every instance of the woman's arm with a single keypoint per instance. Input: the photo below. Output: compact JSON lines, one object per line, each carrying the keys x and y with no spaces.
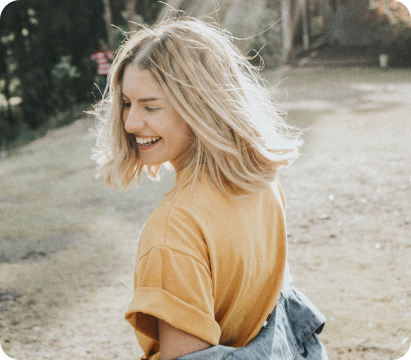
{"x":175,"y":343}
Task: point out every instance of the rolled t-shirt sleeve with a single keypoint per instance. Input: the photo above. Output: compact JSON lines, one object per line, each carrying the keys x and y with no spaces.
{"x":177,"y":288}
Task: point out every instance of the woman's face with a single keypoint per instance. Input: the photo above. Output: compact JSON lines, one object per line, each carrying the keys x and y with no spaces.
{"x":161,"y":133}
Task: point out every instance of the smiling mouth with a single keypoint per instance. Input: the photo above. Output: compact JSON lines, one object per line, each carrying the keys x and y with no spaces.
{"x":148,"y":141}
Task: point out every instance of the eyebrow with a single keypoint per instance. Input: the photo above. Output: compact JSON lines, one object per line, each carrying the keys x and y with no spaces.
{"x":149,"y":99}
{"x":144,"y":99}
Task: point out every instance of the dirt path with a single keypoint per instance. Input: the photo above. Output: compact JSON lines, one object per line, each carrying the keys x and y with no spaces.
{"x":348,"y":214}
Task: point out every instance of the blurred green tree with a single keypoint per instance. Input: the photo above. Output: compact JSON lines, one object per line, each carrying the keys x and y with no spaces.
{"x":45,"y":48}
{"x":34,"y":36}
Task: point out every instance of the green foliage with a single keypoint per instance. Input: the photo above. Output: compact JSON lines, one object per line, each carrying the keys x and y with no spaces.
{"x":9,"y":130}
{"x":45,"y":49}
{"x":38,"y":38}
{"x":25,"y":134}
{"x":63,"y":80}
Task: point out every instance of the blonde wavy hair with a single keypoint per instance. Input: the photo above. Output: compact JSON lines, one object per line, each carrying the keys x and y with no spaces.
{"x":240,"y":136}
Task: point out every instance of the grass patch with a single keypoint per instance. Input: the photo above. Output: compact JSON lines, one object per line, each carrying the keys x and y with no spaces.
{"x":27,"y":135}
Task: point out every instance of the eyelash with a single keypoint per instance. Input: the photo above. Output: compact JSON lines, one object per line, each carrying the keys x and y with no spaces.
{"x":149,"y":109}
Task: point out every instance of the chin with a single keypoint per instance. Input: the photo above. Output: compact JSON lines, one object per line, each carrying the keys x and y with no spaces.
{"x":152,"y":163}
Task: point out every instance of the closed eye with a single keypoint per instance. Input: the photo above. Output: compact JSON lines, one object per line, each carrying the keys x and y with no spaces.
{"x":152,"y":109}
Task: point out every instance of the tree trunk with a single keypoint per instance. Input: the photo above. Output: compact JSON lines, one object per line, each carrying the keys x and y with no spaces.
{"x":288,"y":30}
{"x":306,"y":25}
{"x":108,"y":18}
{"x":131,"y":12}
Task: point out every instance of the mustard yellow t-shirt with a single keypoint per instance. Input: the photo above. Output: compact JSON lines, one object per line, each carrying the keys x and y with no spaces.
{"x":209,"y":265}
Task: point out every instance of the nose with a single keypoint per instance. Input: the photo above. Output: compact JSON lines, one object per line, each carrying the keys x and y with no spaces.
{"x":133,"y":121}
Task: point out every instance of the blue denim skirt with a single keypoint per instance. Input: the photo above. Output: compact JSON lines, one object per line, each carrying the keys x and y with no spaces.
{"x":290,"y":332}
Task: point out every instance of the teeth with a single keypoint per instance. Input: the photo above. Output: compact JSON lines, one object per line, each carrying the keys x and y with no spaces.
{"x":147,"y":140}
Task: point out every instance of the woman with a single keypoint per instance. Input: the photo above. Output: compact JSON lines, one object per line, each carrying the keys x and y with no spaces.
{"x":211,"y":259}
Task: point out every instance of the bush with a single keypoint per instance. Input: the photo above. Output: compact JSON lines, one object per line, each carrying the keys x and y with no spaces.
{"x":25,"y":134}
{"x":10,"y":129}
{"x":63,"y":75}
